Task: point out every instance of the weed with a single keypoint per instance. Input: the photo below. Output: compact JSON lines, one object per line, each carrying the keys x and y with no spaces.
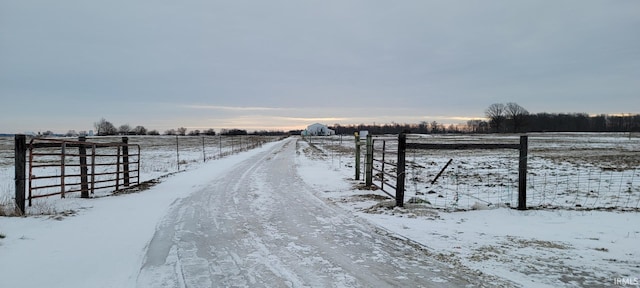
{"x":6,"y":205}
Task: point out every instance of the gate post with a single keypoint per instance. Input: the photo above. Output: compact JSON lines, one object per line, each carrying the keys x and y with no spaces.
{"x":522,"y":173}
{"x":84,"y":183}
{"x":402,"y":147}
{"x":20,"y":171}
{"x":368,"y":168}
{"x":357,"y":155}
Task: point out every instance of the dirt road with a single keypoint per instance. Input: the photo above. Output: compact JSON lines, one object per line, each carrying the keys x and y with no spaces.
{"x":260,"y":225}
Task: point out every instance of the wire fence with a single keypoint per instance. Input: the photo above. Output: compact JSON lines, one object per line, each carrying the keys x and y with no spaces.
{"x":158,"y":156}
{"x":584,"y":171}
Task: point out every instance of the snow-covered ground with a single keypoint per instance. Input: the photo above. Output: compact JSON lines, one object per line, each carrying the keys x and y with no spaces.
{"x":95,"y":242}
{"x":535,"y":248}
{"x":565,"y":170}
{"x":102,"y":242}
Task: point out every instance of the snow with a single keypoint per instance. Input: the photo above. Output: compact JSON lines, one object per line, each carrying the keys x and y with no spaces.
{"x":534,"y":248}
{"x":548,"y":248}
{"x":103,"y":242}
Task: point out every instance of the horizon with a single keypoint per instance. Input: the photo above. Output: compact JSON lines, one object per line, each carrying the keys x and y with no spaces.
{"x":302,"y":126}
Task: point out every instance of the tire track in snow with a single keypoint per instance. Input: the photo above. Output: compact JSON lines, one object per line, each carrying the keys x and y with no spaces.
{"x":260,"y":225}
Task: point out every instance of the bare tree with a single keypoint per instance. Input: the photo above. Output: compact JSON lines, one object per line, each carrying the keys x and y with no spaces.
{"x":104,"y":127}
{"x":496,"y":114}
{"x":140,"y":130}
{"x":209,"y":132}
{"x":517,"y":115}
{"x":477,"y":126}
{"x":182,"y":131}
{"x":124,"y":129}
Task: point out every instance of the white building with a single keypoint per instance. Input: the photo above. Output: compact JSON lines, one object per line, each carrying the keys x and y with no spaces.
{"x":318,"y":129}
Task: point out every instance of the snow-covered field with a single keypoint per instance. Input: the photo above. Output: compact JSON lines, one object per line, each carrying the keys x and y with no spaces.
{"x":159,"y":156}
{"x":555,"y":245}
{"x":582,"y":171}
{"x":101,"y":242}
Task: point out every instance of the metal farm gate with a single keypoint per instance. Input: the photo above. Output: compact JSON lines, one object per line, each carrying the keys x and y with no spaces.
{"x":60,"y":167}
{"x":386,"y":177}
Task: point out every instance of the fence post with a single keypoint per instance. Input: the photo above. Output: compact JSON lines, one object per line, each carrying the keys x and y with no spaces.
{"x":125,"y":160}
{"x":368,"y":168}
{"x":84,"y":183}
{"x":402,"y":147}
{"x":178,"y":152}
{"x":20,"y":171}
{"x":522,"y":173}
{"x":357,"y":155}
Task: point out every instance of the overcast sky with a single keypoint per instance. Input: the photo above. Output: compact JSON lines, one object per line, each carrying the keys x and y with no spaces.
{"x":282,"y":64}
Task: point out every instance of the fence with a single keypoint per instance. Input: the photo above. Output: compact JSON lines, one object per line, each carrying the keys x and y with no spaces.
{"x":169,"y":154}
{"x":570,"y":171}
{"x":55,"y":169}
{"x":583,"y":171}
{"x":401,"y":163}
{"x":215,"y":147}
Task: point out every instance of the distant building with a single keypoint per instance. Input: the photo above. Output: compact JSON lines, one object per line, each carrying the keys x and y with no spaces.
{"x":318,"y":129}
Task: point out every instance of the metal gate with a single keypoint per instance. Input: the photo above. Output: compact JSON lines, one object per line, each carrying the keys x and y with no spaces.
{"x":60,"y":167}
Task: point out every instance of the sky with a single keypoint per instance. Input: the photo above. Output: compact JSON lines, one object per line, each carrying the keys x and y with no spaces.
{"x":284,"y":64}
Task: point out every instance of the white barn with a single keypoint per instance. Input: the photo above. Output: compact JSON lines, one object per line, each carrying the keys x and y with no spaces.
{"x":318,"y":129}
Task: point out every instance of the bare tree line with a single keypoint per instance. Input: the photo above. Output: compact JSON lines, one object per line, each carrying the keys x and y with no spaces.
{"x":513,"y":118}
{"x":500,"y":118}
{"x":510,"y":118}
{"x":106,"y":128}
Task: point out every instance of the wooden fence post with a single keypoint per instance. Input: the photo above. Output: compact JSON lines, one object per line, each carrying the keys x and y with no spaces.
{"x":522,"y":173}
{"x":204,"y":155}
{"x":178,"y":152}
{"x":125,"y":160}
{"x":357,"y":155}
{"x":402,"y":147}
{"x":368,"y":168}
{"x":84,"y":183}
{"x":20,"y":172}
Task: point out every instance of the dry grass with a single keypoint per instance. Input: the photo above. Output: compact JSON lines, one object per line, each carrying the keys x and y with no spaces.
{"x":7,"y":207}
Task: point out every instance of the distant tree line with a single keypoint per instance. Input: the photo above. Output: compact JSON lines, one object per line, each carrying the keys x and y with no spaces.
{"x":396,"y":128}
{"x":106,"y":128}
{"x":500,"y":118}
{"x":510,"y":118}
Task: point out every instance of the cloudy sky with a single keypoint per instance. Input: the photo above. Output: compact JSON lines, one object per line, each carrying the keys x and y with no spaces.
{"x":284,"y":64}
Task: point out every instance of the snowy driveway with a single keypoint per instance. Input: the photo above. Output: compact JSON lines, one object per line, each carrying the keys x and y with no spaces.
{"x":260,"y":225}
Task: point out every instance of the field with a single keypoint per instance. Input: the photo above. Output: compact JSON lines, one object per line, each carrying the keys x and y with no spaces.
{"x":565,"y":170}
{"x":159,"y":156}
{"x":583,"y":191}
